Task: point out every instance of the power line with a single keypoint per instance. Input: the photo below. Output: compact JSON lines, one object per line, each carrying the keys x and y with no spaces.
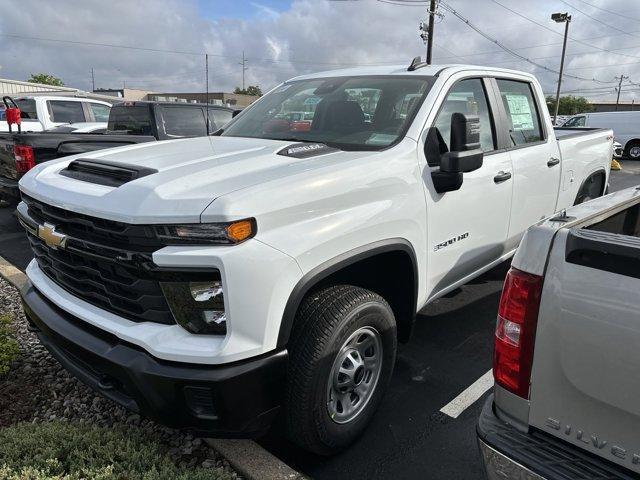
{"x":185,"y":52}
{"x":598,"y":20}
{"x":558,"y":33}
{"x":626,"y":17}
{"x":451,"y":10}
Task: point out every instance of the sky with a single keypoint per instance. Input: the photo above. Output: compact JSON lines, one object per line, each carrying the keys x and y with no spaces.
{"x":160,"y":45}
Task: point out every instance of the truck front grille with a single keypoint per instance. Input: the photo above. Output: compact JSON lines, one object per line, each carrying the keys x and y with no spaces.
{"x":100,"y":263}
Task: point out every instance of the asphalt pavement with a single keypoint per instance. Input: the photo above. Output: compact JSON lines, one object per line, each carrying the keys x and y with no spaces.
{"x":409,"y":438}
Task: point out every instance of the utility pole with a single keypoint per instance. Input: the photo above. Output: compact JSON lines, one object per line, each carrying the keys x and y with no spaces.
{"x":206,"y":70}
{"x":559,"y":18}
{"x":621,"y":77}
{"x":426,"y":31}
{"x":432,"y":14}
{"x":93,"y":81}
{"x":244,"y":67}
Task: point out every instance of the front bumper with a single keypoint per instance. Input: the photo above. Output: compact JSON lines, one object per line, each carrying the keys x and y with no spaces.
{"x":234,"y":400}
{"x":510,"y":453}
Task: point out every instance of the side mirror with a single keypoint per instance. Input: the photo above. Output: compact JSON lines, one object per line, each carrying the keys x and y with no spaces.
{"x":464,"y":155}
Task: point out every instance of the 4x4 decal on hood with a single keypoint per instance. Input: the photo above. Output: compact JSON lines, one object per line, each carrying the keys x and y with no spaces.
{"x":305,"y":150}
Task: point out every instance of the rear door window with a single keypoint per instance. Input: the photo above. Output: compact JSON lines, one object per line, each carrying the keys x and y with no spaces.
{"x":27,"y":108}
{"x":135,"y":120}
{"x":65,"y":111}
{"x":522,"y":112}
{"x":575,"y":122}
{"x":219,"y":118}
{"x":100,"y":112}
{"x":184,"y":121}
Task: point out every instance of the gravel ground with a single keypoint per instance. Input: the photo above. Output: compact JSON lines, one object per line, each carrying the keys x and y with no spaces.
{"x":38,"y":389}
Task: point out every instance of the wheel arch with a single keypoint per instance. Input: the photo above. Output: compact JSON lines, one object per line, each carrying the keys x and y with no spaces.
{"x":600,"y":172}
{"x":396,"y":256}
{"x":631,"y":140}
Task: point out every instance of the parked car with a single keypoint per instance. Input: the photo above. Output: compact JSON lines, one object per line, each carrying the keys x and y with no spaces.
{"x":566,"y":349}
{"x":128,"y":123}
{"x":625,"y":126}
{"x":210,"y":282}
{"x":42,"y":112}
{"x":618,"y":150}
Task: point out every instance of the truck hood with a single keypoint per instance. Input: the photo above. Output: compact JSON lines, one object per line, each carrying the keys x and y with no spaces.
{"x":191,"y":173}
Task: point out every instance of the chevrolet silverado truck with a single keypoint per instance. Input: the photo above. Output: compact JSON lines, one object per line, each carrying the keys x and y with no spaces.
{"x":213,"y":282}
{"x":566,"y":361}
{"x":129,"y":123}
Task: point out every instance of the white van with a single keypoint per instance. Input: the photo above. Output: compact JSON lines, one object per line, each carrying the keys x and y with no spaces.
{"x":625,"y":126}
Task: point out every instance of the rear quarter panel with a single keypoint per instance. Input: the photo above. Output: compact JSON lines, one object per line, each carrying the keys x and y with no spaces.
{"x":583,"y":155}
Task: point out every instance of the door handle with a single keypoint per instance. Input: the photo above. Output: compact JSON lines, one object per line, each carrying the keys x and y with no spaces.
{"x":553,"y":162}
{"x":502,"y":177}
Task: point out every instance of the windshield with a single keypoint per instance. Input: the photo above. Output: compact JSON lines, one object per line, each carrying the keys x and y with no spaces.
{"x":352,"y":113}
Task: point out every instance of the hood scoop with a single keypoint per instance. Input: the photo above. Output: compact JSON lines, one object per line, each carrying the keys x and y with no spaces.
{"x":104,"y":173}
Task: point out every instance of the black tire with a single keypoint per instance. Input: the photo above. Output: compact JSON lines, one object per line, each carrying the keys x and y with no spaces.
{"x":592,"y":188}
{"x":326,"y":320}
{"x":632,"y":147}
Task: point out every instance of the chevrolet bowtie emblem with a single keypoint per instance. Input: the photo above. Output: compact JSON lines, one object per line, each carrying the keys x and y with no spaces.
{"x":53,"y":239}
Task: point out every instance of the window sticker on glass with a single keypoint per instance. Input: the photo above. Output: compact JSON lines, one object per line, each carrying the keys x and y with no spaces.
{"x":520,"y":112}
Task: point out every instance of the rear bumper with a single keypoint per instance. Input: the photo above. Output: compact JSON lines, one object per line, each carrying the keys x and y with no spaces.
{"x":509,"y":453}
{"x":233,"y":400}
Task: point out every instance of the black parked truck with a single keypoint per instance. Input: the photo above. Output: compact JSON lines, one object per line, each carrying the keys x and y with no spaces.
{"x":129,"y":122}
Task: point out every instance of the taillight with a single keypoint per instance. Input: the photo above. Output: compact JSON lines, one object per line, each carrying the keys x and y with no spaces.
{"x":25,"y":159}
{"x":516,"y":331}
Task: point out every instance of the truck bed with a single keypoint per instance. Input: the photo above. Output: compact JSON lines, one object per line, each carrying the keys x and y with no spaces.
{"x":585,"y":384}
{"x":48,"y":146}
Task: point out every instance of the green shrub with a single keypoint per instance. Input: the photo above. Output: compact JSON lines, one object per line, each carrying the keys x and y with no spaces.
{"x":68,"y":451}
{"x":8,"y":346}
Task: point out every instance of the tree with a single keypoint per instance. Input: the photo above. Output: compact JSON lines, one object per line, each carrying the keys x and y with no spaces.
{"x":250,"y":90}
{"x":46,"y":79}
{"x":569,"y":105}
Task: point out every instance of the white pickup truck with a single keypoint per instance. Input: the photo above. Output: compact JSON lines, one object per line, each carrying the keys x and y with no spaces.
{"x":42,"y":112}
{"x":566,"y":355}
{"x":208,"y":282}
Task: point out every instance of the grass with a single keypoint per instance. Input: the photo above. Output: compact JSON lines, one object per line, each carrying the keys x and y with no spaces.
{"x":8,"y":346}
{"x":68,"y":451}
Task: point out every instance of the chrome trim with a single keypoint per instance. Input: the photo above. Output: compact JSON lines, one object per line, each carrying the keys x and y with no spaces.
{"x":500,"y":467}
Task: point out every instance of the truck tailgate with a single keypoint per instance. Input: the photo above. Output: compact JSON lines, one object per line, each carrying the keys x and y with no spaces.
{"x":7,"y":160}
{"x":585,"y":383}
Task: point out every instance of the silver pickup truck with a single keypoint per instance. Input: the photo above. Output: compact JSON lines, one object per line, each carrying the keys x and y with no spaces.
{"x":566,"y":402}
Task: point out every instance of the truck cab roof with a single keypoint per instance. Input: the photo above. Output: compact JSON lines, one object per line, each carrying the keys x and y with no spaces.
{"x":421,"y":70}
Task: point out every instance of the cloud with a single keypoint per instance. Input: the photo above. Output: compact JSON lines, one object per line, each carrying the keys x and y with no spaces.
{"x":310,"y":35}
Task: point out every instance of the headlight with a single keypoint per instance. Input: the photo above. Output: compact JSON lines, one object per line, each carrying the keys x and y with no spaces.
{"x":197,"y":306}
{"x":224,"y":233}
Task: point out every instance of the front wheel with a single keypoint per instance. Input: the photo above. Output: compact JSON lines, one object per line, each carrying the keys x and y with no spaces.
{"x":342,"y":353}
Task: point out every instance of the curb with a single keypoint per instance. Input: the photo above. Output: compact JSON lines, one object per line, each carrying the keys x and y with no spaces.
{"x":252,"y":461}
{"x":11,"y":274}
{"x":247,"y":457}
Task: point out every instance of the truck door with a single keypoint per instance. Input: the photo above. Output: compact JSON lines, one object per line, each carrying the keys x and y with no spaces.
{"x":534,"y":156}
{"x":467,"y":228}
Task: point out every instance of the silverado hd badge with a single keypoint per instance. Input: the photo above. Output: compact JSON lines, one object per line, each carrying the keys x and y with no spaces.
{"x":451,"y":241}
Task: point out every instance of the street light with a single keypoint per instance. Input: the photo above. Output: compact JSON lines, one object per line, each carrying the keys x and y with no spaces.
{"x":559,"y":18}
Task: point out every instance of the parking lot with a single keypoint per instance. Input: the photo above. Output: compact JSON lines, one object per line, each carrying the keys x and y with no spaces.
{"x":409,"y":437}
